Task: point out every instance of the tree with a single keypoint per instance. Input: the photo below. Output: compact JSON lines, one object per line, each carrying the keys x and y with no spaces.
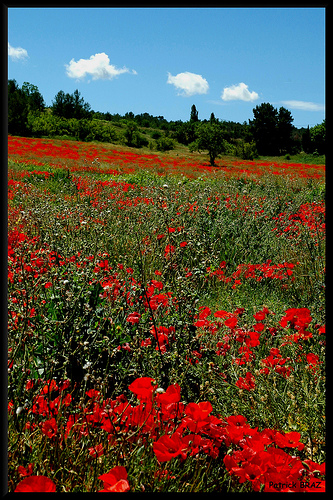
{"x":17,"y":109}
{"x":70,"y":106}
{"x":318,"y":138}
{"x":194,"y":114}
{"x":35,"y":99}
{"x":210,"y":138}
{"x":306,"y":141}
{"x":284,"y":130}
{"x":81,"y":109}
{"x":264,"y":128}
{"x":212,"y":119}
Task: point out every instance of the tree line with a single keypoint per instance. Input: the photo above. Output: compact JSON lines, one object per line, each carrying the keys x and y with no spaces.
{"x":269,"y":133}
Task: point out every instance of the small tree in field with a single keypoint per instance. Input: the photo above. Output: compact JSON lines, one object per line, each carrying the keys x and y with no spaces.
{"x":210,"y":137}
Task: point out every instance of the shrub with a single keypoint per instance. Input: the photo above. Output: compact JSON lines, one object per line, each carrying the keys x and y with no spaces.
{"x":164,"y":144}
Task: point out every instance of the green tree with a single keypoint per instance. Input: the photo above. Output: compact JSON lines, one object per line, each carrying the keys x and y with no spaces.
{"x":318,"y":138}
{"x":306,"y":141}
{"x":209,"y":138}
{"x":35,"y":99}
{"x":194,"y":117}
{"x":212,"y":119}
{"x":18,"y":109}
{"x":71,"y":106}
{"x":284,"y":130}
{"x":264,"y":128}
{"x":132,"y":136}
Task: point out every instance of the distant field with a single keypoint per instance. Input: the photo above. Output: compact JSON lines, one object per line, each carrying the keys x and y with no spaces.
{"x":166,"y":320}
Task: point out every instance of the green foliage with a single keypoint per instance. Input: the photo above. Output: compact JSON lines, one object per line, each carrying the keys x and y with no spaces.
{"x":21,"y":102}
{"x":194,"y":117}
{"x":132,"y":136}
{"x":70,"y":106}
{"x":246,"y":150}
{"x":318,"y":138}
{"x":165,"y":144}
{"x":209,"y":138}
{"x":272,"y":129}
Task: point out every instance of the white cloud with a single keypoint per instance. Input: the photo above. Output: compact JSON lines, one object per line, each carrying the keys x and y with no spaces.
{"x":17,"y":53}
{"x":188,"y":83}
{"x":238,"y":92}
{"x":304,"y":105}
{"x":98,"y":66}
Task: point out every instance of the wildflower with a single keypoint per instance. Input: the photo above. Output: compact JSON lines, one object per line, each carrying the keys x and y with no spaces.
{"x":143,"y":387}
{"x":96,"y":451}
{"x":133,"y":318}
{"x":36,"y":483}
{"x":168,"y":447}
{"x":169,"y":249}
{"x":289,"y":440}
{"x":25,"y":471}
{"x":49,"y":428}
{"x":246,"y":383}
{"x":115,"y":480}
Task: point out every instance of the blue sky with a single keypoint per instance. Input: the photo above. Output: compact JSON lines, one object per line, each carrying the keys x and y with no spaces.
{"x":163,"y":60}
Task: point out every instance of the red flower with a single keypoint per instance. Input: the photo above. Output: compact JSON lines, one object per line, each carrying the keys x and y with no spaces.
{"x":115,"y":480}
{"x":312,"y":359}
{"x":183,"y":244}
{"x":25,"y":471}
{"x":260,"y":316}
{"x":199,"y":411}
{"x":133,"y":317}
{"x":289,"y":440}
{"x":204,"y":312}
{"x":222,"y":314}
{"x":96,"y":451}
{"x":168,"y":447}
{"x":231,"y":322}
{"x":169,"y":249}
{"x":143,"y":388}
{"x":246,"y":383}
{"x":49,"y":428}
{"x":259,"y":327}
{"x":36,"y":483}
{"x":171,"y":395}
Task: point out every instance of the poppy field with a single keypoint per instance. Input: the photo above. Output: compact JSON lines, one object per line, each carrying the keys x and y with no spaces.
{"x":166,"y":321}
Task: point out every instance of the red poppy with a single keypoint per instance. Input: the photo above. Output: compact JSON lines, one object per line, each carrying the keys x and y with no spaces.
{"x":222,"y":314}
{"x":96,"y":451}
{"x":258,"y":327}
{"x":49,"y":427}
{"x":289,"y":440}
{"x":199,"y":411}
{"x":36,"y":483}
{"x":168,"y":447}
{"x":133,"y":318}
{"x":312,"y":359}
{"x":204,"y":312}
{"x":169,"y":249}
{"x":25,"y":471}
{"x":171,"y":395}
{"x":115,"y":480}
{"x":246,"y":383}
{"x":260,"y":316}
{"x":143,"y":387}
{"x":231,"y":322}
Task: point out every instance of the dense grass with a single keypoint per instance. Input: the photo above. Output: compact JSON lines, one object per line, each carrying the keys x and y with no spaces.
{"x":207,"y":281}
